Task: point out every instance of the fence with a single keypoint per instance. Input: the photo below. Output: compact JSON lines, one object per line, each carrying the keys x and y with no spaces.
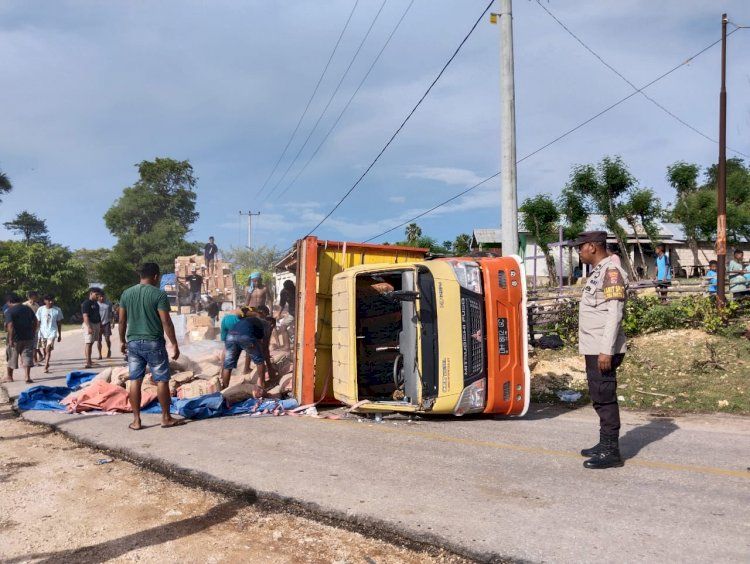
{"x":551,"y":311}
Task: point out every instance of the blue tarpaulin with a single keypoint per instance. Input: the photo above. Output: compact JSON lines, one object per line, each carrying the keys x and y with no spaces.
{"x":213,"y":405}
{"x":74,"y":379}
{"x":45,"y":398}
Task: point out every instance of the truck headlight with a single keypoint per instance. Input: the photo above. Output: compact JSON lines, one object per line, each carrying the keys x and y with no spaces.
{"x":473,"y":398}
{"x":468,"y":274}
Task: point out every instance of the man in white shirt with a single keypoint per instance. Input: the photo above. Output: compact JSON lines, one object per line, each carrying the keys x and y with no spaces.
{"x":50,"y":327}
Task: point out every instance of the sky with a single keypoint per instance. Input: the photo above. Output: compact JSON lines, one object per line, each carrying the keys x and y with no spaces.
{"x":91,"y":88}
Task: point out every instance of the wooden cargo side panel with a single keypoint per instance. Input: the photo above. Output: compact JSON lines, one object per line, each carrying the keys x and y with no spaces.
{"x":318,"y":262}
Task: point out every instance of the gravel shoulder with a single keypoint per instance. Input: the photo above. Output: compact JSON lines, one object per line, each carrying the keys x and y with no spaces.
{"x":62,"y":501}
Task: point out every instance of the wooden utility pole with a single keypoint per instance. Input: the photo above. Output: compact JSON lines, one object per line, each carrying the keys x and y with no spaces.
{"x":508,"y":184}
{"x":721,"y":192}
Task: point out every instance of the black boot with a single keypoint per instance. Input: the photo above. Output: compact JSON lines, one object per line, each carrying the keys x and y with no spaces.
{"x":607,"y":457}
{"x":594,"y":450}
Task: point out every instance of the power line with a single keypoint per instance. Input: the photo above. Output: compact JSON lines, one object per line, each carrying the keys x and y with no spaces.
{"x":348,"y":103}
{"x":333,"y":95}
{"x":406,"y":119}
{"x":309,"y":101}
{"x":553,"y":141}
{"x":633,"y":86}
{"x":432,"y":209}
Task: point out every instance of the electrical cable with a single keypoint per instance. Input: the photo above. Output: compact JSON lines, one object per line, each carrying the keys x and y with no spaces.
{"x":348,"y":103}
{"x":618,"y":73}
{"x":309,"y":101}
{"x":555,"y":140}
{"x":406,"y":119}
{"x":330,"y":100}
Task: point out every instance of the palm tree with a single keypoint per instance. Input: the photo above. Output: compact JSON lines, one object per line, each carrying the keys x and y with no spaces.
{"x":5,"y":184}
{"x":413,"y":232}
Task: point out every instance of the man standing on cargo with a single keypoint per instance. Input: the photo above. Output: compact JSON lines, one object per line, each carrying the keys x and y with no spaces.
{"x":144,"y":320}
{"x":602,"y":342}
{"x":209,"y":254}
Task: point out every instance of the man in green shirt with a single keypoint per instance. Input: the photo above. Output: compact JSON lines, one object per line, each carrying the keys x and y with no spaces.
{"x":144,"y":319}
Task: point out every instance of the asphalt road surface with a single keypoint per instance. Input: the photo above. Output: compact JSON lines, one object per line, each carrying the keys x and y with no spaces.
{"x":485,"y":488}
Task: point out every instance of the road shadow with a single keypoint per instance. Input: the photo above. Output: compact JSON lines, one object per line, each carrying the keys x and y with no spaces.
{"x":548,"y":410}
{"x":636,"y":439}
{"x":157,"y":535}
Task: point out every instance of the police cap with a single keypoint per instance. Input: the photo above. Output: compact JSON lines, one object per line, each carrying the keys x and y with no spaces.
{"x":591,"y":237}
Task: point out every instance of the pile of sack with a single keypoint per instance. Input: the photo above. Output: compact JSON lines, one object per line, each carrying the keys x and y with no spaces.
{"x":198,"y":373}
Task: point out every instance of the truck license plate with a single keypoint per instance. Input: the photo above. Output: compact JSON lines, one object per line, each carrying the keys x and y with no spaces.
{"x":502,"y":335}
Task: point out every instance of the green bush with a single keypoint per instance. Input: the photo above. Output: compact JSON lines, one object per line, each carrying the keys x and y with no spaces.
{"x":647,"y":314}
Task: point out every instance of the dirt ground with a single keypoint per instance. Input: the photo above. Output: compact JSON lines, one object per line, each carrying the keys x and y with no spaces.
{"x":59,"y":502}
{"x":670,"y":371}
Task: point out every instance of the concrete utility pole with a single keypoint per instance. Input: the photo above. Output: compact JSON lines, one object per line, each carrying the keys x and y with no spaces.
{"x":721,"y":192}
{"x":249,"y":215}
{"x":508,"y":186}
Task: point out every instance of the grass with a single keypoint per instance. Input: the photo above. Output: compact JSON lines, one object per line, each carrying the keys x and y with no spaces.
{"x":676,"y":371}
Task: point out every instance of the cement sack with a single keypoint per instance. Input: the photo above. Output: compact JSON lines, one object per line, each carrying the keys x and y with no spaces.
{"x":282,"y":362}
{"x":120,"y":375}
{"x":241,"y":392}
{"x":105,"y":375}
{"x":177,"y":366}
{"x":183,"y":377}
{"x":199,"y":388}
{"x":206,"y":370}
{"x":198,"y":321}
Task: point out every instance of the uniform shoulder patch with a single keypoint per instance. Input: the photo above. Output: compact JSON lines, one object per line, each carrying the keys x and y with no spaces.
{"x":614,"y":285}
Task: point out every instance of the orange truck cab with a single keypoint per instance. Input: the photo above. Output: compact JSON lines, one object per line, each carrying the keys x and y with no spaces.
{"x":385,"y":329}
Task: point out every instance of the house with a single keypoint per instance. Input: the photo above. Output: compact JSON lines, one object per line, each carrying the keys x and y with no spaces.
{"x":685,"y":261}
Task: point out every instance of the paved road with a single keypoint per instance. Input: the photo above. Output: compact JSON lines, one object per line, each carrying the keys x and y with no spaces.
{"x":508,"y":488}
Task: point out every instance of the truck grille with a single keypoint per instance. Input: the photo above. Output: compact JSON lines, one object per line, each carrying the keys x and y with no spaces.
{"x":472,"y":333}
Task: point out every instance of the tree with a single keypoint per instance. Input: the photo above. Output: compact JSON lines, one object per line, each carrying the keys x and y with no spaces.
{"x":33,"y":228}
{"x":262,"y":259}
{"x":413,"y":232}
{"x":44,"y":268}
{"x":575,"y":217}
{"x":425,"y":242}
{"x":5,"y":183}
{"x":117,"y":275}
{"x":541,"y":218}
{"x":696,"y":206}
{"x":152,"y":218}
{"x":642,"y":207}
{"x":461,"y":245}
{"x":603,"y":185}
{"x":92,"y":259}
{"x":683,"y":177}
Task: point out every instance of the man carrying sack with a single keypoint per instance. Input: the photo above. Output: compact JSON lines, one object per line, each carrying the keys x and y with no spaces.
{"x":601,"y":340}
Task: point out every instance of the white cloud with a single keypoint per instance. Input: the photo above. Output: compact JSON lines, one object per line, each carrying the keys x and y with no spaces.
{"x":447,"y":175}
{"x":397,"y":199}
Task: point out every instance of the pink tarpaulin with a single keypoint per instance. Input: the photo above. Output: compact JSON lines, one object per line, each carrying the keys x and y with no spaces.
{"x":103,"y":396}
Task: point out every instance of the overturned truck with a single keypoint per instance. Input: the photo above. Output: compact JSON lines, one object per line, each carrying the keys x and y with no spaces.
{"x":385,"y":328}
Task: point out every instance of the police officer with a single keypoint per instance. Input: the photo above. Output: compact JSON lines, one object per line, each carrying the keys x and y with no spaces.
{"x":602,"y":342}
